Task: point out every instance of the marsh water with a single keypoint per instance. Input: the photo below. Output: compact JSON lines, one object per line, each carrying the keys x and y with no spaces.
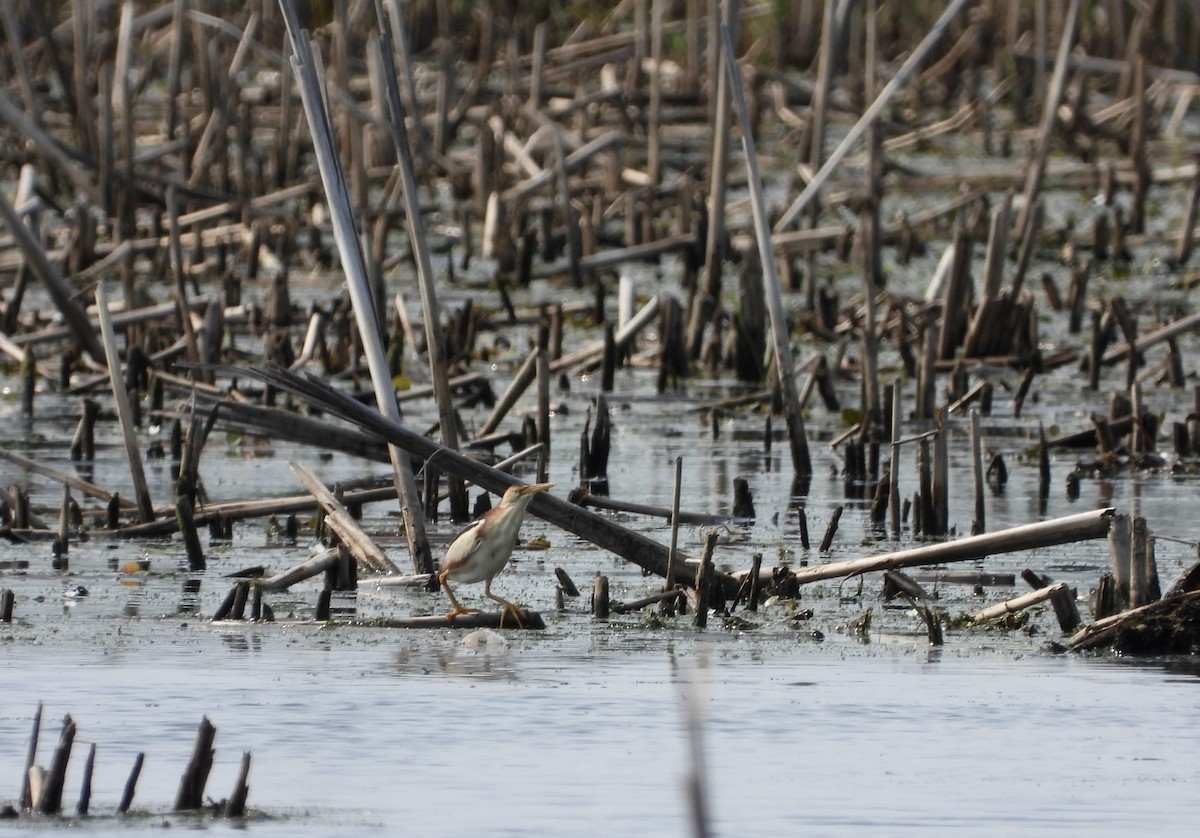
{"x":584,"y":728}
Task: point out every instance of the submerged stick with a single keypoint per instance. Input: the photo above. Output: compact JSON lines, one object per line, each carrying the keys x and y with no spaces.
{"x":1067,"y":530}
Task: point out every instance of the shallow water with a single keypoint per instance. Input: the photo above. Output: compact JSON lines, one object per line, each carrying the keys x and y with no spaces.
{"x":582,"y":732}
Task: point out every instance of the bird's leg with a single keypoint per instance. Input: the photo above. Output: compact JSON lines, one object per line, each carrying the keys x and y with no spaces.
{"x":458,"y":610}
{"x":506,"y":607}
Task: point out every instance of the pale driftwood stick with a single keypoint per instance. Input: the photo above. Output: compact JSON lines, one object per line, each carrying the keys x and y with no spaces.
{"x":772,"y":288}
{"x":1072,"y":528}
{"x":124,"y":409}
{"x":530,"y":621}
{"x":63,"y":477}
{"x":635,"y":547}
{"x":520,"y":382}
{"x":1102,"y":631}
{"x":418,"y":580}
{"x":357,"y":281}
{"x":585,"y":499}
{"x":119,"y":320}
{"x":650,"y":599}
{"x":594,"y":352}
{"x":612,"y":257}
{"x":572,"y":162}
{"x":298,"y":573}
{"x":915,"y":59}
{"x":241,"y":510}
{"x":1015,"y":604}
{"x":58,"y":289}
{"x":340,"y":521}
{"x":435,"y":348}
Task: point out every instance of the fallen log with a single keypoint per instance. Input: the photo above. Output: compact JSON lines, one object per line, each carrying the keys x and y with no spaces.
{"x":1072,"y":528}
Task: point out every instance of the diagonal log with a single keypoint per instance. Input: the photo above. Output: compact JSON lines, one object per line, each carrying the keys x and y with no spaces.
{"x":632,"y":546}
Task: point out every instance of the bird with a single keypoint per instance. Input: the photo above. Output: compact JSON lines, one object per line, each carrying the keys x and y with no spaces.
{"x":482,"y":550}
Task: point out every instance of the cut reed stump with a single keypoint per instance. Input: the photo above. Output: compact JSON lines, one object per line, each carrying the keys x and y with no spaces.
{"x":195,"y":776}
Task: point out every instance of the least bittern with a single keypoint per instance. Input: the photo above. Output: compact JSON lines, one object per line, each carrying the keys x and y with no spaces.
{"x":483,"y":549}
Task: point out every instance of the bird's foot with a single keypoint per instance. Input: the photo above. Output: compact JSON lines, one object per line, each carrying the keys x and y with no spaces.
{"x":458,"y":611}
{"x":514,"y":611}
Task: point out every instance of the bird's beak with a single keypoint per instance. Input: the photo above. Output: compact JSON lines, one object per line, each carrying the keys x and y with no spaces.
{"x":534,"y":488}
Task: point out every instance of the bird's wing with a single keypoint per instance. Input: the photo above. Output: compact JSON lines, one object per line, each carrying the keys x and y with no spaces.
{"x":468,"y":542}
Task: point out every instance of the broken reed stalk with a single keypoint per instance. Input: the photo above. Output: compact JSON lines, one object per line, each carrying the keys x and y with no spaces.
{"x":434,"y":341}
{"x":123,"y":407}
{"x":1066,"y":530}
{"x":772,"y":288}
{"x":672,"y":550}
{"x":308,"y":78}
{"x":341,"y":522}
{"x":520,"y":382}
{"x":870,"y":115}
